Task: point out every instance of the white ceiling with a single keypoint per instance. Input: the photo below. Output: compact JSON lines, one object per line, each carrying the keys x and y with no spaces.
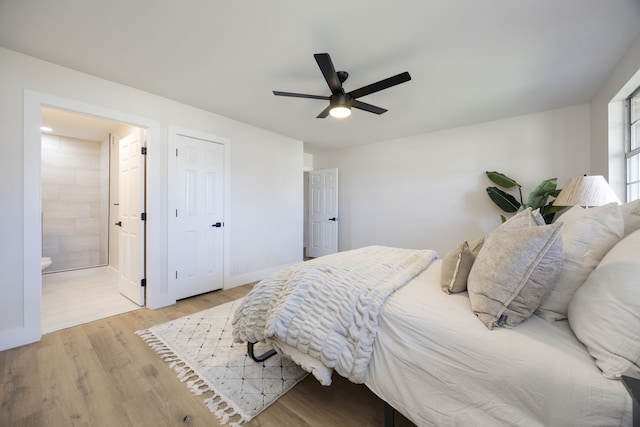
{"x":64,"y":123}
{"x":471,"y":61}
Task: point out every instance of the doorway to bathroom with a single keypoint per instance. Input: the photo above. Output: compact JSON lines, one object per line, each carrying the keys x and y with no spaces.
{"x":87,"y":252}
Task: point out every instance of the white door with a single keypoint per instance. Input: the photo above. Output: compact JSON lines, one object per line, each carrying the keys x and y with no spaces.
{"x":323,"y":212}
{"x":199,"y":217}
{"x":131,"y":198}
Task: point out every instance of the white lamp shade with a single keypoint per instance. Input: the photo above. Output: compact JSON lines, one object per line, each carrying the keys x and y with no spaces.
{"x":586,"y":191}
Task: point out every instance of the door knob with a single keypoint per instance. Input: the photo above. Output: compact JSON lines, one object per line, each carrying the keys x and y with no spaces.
{"x":332,"y":219}
{"x":119,"y":223}
{"x":217,"y":224}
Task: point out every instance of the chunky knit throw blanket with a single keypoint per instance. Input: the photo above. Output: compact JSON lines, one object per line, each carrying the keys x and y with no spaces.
{"x":327,"y":308}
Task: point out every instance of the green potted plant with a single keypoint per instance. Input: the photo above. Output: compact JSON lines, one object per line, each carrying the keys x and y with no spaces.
{"x":538,"y":198}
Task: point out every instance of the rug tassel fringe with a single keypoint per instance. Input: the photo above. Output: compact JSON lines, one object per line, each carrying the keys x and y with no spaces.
{"x":193,"y":381}
{"x":224,"y":414}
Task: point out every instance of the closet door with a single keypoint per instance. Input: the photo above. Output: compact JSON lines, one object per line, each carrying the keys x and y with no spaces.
{"x":199,"y":216}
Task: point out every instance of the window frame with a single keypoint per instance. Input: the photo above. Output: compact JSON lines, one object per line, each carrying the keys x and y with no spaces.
{"x":629,"y":153}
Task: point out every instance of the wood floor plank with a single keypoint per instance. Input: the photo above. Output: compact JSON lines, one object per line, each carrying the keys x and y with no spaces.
{"x":102,"y":374}
{"x":22,"y":384}
{"x":59,"y":395}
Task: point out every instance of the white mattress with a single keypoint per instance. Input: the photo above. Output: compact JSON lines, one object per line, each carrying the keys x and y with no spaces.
{"x":436,"y":363}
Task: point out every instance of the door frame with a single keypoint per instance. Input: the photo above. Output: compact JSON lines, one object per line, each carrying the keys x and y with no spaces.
{"x":31,"y":329}
{"x":173,"y":199}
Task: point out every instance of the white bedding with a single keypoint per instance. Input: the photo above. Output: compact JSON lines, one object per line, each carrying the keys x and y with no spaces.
{"x":436,"y":363}
{"x":327,"y":309}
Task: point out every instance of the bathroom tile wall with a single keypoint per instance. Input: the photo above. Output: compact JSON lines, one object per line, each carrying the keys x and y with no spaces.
{"x":74,"y":202}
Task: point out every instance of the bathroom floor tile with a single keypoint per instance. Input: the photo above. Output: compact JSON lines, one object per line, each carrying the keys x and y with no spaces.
{"x":75,"y":297}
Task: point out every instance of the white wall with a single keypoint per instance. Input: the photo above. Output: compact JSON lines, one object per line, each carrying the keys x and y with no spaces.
{"x":265,"y":228}
{"x":428,"y":191}
{"x":607,"y":136}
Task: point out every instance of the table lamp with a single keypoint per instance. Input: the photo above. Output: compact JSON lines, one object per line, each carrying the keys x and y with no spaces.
{"x":586,"y":191}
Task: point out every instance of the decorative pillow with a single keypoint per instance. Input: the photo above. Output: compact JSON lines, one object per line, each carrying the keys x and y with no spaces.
{"x":513,"y":272}
{"x":605,"y":312}
{"x":587,"y":236}
{"x":524,"y":218}
{"x":631,"y":216}
{"x":456,"y":266}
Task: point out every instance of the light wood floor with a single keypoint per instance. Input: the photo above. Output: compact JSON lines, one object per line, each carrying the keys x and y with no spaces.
{"x":71,"y":298}
{"x":102,"y":374}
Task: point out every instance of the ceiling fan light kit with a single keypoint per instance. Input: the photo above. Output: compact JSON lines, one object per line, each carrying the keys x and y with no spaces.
{"x":340,"y":112}
{"x":340,"y":103}
{"x":340,"y":106}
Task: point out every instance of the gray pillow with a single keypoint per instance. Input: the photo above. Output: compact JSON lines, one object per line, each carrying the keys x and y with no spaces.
{"x":513,"y":272}
{"x":456,"y":266}
{"x":524,"y":218}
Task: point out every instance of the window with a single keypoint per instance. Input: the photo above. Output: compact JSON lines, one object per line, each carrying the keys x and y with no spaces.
{"x":633,"y":146}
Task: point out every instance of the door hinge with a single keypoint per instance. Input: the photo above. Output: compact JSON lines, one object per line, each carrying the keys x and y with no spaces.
{"x":143,"y":216}
{"x":143,"y":283}
{"x":143,"y":150}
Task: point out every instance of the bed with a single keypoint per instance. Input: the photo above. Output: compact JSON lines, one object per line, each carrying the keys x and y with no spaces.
{"x":454,"y":342}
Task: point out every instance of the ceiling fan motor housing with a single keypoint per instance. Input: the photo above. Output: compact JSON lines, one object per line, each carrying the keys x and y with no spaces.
{"x":340,"y":100}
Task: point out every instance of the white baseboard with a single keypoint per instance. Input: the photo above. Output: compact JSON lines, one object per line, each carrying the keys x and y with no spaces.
{"x":253,"y":276}
{"x":18,"y":337}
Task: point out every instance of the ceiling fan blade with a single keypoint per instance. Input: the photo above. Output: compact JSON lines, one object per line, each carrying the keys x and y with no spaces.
{"x":324,"y":113}
{"x":329,"y":72}
{"x":367,"y":107}
{"x":382,"y":84}
{"x":299,"y":95}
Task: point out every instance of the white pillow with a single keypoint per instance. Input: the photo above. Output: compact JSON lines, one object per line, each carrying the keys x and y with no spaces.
{"x":587,"y":236}
{"x":605,"y":312}
{"x":631,"y":216}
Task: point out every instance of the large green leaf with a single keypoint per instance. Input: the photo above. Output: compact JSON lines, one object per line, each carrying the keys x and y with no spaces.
{"x":552,"y":209}
{"x":548,"y":212}
{"x":539,"y":196}
{"x":503,"y":200}
{"x":502,"y":180}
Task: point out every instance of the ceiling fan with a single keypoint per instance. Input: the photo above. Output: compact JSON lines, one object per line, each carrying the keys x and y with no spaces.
{"x":340,"y":103}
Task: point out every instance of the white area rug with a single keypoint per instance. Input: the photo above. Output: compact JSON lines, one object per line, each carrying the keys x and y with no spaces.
{"x":200,"y":348}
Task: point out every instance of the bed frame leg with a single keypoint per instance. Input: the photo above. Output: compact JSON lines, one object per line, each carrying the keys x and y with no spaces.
{"x":262,"y":357}
{"x":389,"y":415}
